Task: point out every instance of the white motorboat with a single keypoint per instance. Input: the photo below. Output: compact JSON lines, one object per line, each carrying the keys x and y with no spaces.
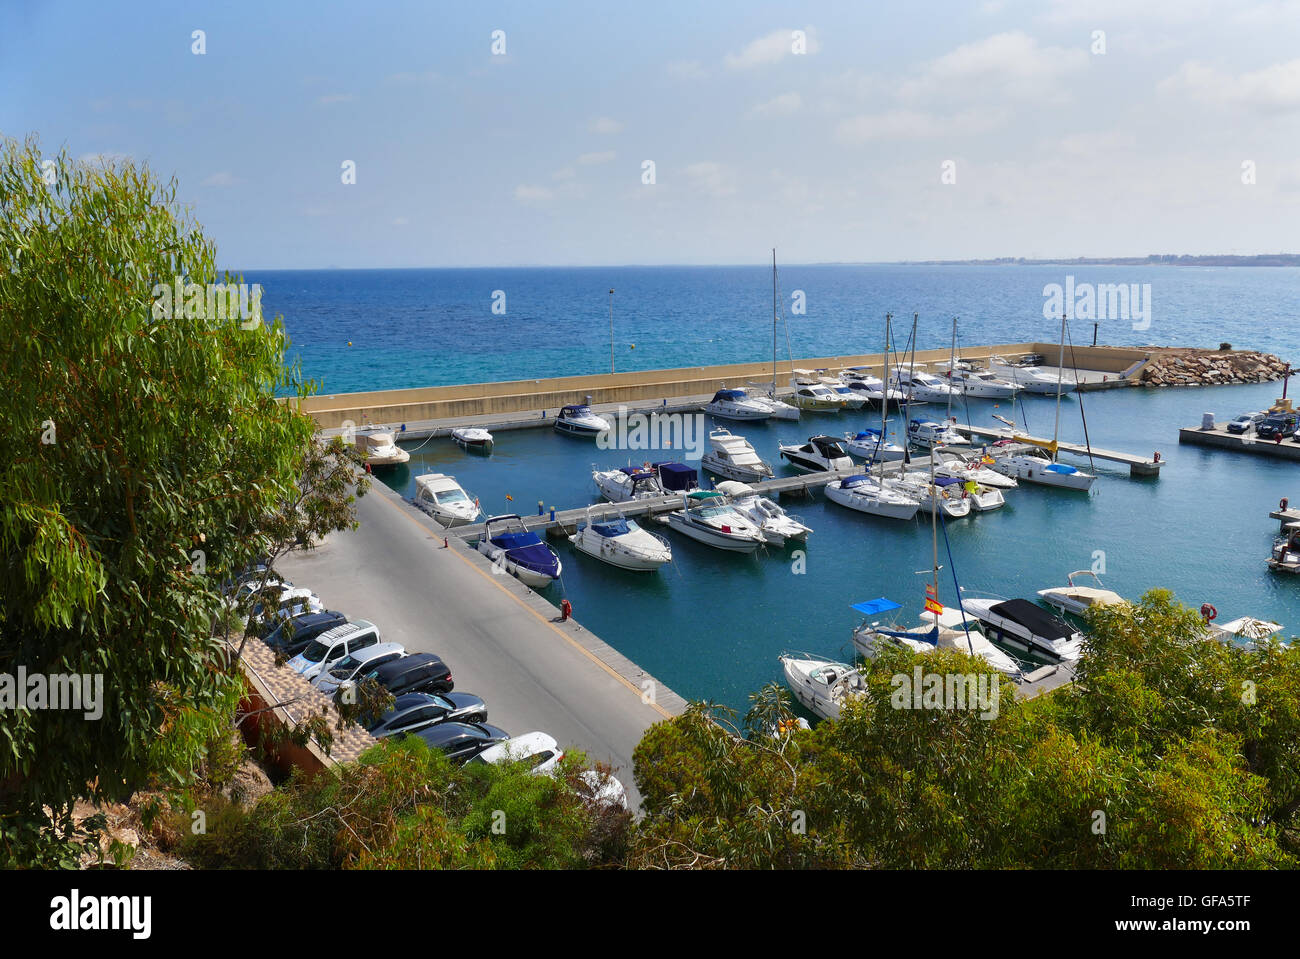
{"x":736,"y":405}
{"x":707,"y":517}
{"x":867,"y":494}
{"x":1024,"y":625}
{"x":441,"y":497}
{"x":917,"y":386}
{"x":822,"y":686}
{"x":948,"y":629}
{"x":777,"y":409}
{"x":732,"y":456}
{"x":928,"y":434}
{"x":1035,"y":465}
{"x":578,"y":420}
{"x":974,"y":471}
{"x":851,"y":399}
{"x":1077,"y":599}
{"x":969,"y":380}
{"x":982,"y":498}
{"x":380,"y":448}
{"x":473,"y":438}
{"x":811,"y":394}
{"x":871,"y":388}
{"x":516,"y":550}
{"x":1285,"y":556}
{"x":933,"y":496}
{"x":622,"y":543}
{"x":1030,"y":378}
{"x":778,"y":526}
{"x":867,"y":444}
{"x":819,"y":454}
{"x":628,"y":483}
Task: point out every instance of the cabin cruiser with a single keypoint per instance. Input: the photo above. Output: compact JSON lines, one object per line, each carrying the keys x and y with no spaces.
{"x":777,"y":410}
{"x":441,"y":497}
{"x":917,"y":386}
{"x":974,"y":471}
{"x":736,"y":405}
{"x":929,"y":434}
{"x":811,"y":394}
{"x":822,"y":686}
{"x":1285,"y":557}
{"x":578,"y":420}
{"x":857,"y":379}
{"x":1036,"y":465}
{"x":622,"y":543}
{"x":778,"y":526}
{"x":950,"y":499}
{"x":473,"y":438}
{"x":1076,"y":599}
{"x":733,"y":457}
{"x":517,"y":550}
{"x":867,"y":444}
{"x":1026,"y":374}
{"x":628,"y":483}
{"x":969,"y":380}
{"x":707,"y":517}
{"x":819,"y":454}
{"x":851,"y":399}
{"x":867,"y":494}
{"x":380,"y":449}
{"x":948,"y":629}
{"x":1024,"y":625}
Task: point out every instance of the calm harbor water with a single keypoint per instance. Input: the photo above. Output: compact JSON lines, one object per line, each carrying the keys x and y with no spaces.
{"x":712,"y":624}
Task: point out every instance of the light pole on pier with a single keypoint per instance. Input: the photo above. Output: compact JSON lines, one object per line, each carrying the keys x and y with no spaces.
{"x":611,"y":331}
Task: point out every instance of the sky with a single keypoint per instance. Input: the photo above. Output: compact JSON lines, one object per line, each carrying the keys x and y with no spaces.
{"x":836,"y":132}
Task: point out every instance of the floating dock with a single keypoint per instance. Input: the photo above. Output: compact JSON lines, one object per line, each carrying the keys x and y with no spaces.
{"x":1137,"y":465}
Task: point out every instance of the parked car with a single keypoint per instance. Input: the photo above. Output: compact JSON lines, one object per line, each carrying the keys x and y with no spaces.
{"x":1277,"y":424}
{"x":293,"y":635}
{"x":538,"y":751}
{"x":332,"y":645}
{"x":1246,"y":421}
{"x":346,"y":669}
{"x":249,"y":585}
{"x":462,"y":741}
{"x":416,"y":673}
{"x":414,"y":711}
{"x":602,"y":789}
{"x":289,"y":603}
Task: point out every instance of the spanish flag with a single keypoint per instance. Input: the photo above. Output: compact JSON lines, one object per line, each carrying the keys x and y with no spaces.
{"x":932,"y":604}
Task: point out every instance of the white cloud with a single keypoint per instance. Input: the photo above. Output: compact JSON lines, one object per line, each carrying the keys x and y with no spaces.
{"x":686,"y":70}
{"x":770,"y":48}
{"x":711,"y":178}
{"x":1274,"y":89}
{"x":222,"y":178}
{"x":525,"y":193}
{"x":605,"y":125}
{"x":591,"y":159}
{"x":400,"y":221}
{"x":784,"y":104}
{"x":1011,"y":65}
{"x":564,"y":173}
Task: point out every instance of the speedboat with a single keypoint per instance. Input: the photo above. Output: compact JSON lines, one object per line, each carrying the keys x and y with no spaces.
{"x":811,"y":394}
{"x":736,"y":405}
{"x":628,"y":483}
{"x":929,"y":434}
{"x":578,"y":420}
{"x":622,"y":543}
{"x":974,"y":471}
{"x":851,"y":399}
{"x":777,"y":410}
{"x":1036,"y":465}
{"x":733,"y":457}
{"x":473,"y":438}
{"x":945,"y":630}
{"x":380,"y":449}
{"x":819,"y":454}
{"x":1024,"y":625}
{"x":867,"y":494}
{"x":1026,"y":374}
{"x":822,"y":686}
{"x":517,"y":550}
{"x":969,"y":380}
{"x":1285,"y":557}
{"x":707,"y":517}
{"x":981,"y":498}
{"x":867,"y":444}
{"x":778,"y":526}
{"x":1076,"y":599}
{"x":932,"y":496}
{"x":921,"y":387}
{"x":872,"y":388}
{"x":441,"y":497}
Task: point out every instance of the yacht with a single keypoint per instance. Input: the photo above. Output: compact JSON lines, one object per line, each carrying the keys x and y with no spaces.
{"x":1285,"y":557}
{"x":819,"y":454}
{"x":1035,"y":465}
{"x":930,"y":496}
{"x":733,"y":457}
{"x":867,"y":444}
{"x":1024,"y":625}
{"x":441,"y":497}
{"x":777,"y":409}
{"x":578,"y":420}
{"x":974,"y":471}
{"x":380,"y":449}
{"x":867,"y":494}
{"x":1030,"y":378}
{"x":778,"y":526}
{"x":473,"y":438}
{"x":873,"y":388}
{"x":706,"y":516}
{"x":517,"y":550}
{"x":736,"y":405}
{"x":929,"y":434}
{"x":917,"y":386}
{"x":851,"y":399}
{"x":811,"y":394}
{"x":948,"y":629}
{"x":1076,"y":599}
{"x":628,"y":483}
{"x":822,"y":686}
{"x":969,"y":380}
{"x":622,"y":543}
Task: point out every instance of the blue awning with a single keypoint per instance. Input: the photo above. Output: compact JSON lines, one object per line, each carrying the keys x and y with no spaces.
{"x":873,"y":606}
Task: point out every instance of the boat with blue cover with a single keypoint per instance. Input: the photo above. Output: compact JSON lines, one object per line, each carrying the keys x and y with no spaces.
{"x":515,"y":549}
{"x":948,"y":629}
{"x":736,"y":405}
{"x":577,"y":419}
{"x":622,"y":543}
{"x":867,"y":445}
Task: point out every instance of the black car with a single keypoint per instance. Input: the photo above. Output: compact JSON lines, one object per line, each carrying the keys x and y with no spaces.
{"x":294,"y":635}
{"x":416,"y":673}
{"x":1277,"y":424}
{"x":462,"y":741}
{"x":414,"y":711}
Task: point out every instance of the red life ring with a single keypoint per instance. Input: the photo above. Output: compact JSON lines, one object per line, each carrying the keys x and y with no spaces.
{"x":1282,"y":503}
{"x":1209,"y":612}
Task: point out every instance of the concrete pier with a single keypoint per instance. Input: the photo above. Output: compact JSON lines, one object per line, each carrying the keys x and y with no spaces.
{"x":1220,"y":438}
{"x":1138,"y":465}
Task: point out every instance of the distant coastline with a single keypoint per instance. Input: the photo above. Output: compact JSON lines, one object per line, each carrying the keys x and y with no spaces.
{"x":1166,"y":259}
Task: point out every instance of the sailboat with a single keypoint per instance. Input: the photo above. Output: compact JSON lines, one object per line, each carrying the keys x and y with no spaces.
{"x":777,"y":409}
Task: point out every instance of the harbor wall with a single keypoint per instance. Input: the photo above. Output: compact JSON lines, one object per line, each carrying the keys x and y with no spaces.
{"x":513,"y":396}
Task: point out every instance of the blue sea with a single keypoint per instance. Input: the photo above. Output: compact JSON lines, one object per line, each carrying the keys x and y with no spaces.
{"x":712,"y":624}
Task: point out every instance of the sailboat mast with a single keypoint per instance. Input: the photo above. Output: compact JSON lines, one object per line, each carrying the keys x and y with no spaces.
{"x":1056,"y":428}
{"x":774,"y":322}
{"x":884,"y":403}
{"x":952,"y":365}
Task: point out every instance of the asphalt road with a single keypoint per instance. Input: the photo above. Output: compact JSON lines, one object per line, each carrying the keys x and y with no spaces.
{"x":394,"y":572}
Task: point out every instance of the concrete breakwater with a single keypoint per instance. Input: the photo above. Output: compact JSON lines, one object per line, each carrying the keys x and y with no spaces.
{"x":1192,"y":367}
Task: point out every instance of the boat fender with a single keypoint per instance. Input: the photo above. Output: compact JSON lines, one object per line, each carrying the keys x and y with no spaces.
{"x":1209,"y":612}
{"x":1282,"y":503}
{"x":368,"y":469}
{"x":566,"y":610}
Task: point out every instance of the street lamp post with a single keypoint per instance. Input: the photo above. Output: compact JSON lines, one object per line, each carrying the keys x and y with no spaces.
{"x":611,"y":331}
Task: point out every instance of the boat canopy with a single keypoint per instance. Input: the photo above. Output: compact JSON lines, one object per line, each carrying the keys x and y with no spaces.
{"x":868,"y":435}
{"x":704,"y":494}
{"x":857,"y":479}
{"x":677,"y":476}
{"x":871,"y":607}
{"x":733,"y":488}
{"x":1034,"y":618}
{"x":736,"y":395}
{"x":518,"y":539}
{"x":947,"y":480}
{"x":575,"y":409}
{"x":612,"y":527}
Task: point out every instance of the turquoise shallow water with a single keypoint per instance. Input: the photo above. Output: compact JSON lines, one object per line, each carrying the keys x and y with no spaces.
{"x":712,"y":624}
